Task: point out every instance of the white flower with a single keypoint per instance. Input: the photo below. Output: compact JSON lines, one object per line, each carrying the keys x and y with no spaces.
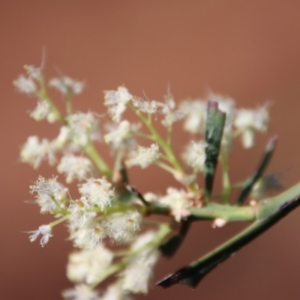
{"x":42,"y":111}
{"x":136,"y":276}
{"x":83,"y":127}
{"x":178,"y":202}
{"x":196,"y":113}
{"x":34,"y":151}
{"x":74,"y":167}
{"x":89,"y":236}
{"x":123,"y":227}
{"x":50,"y":194}
{"x":45,"y":231}
{"x":89,"y":265}
{"x":67,"y":85}
{"x":81,"y":214}
{"x":25,"y":85}
{"x":170,"y":114}
{"x":98,"y":192}
{"x":34,"y":72}
{"x":248,"y":121}
{"x":115,"y":292}
{"x":194,"y":155}
{"x":81,"y":292}
{"x":116,"y":101}
{"x":120,"y":136}
{"x":149,"y":107}
{"x":144,"y":156}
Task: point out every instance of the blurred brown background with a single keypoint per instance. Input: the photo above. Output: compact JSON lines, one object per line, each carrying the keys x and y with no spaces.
{"x":246,"y":49}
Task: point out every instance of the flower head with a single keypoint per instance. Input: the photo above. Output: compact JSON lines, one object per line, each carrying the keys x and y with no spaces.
{"x":50,"y":194}
{"x":178,"y":202}
{"x":248,"y":121}
{"x":98,"y":192}
{"x":67,"y":85}
{"x":45,"y":231}
{"x":89,"y":265}
{"x":25,"y":85}
{"x":195,"y":115}
{"x":116,"y":101}
{"x":194,"y":155}
{"x":148,"y":107}
{"x":123,"y":227}
{"x":83,"y":127}
{"x":34,"y":151}
{"x":81,"y":292}
{"x":121,"y":136}
{"x":74,"y":167}
{"x":144,"y":156}
{"x":136,"y":276}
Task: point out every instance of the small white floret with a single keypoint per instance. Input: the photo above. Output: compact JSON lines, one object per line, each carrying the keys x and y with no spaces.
{"x":44,"y":231}
{"x":116,"y":101}
{"x":67,"y":85}
{"x":144,"y":156}
{"x":34,"y":151}
{"x":123,"y":227}
{"x":98,"y":192}
{"x":81,"y":292}
{"x":74,"y":167}
{"x":89,"y":265}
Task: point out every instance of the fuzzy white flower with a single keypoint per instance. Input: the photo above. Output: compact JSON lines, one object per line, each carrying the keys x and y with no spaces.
{"x":89,"y":236}
{"x":171,"y":115}
{"x":120,"y":136}
{"x":144,"y":156}
{"x":25,"y":85}
{"x":81,"y":214}
{"x":248,"y":121}
{"x":148,"y":107}
{"x":136,"y":276}
{"x":34,"y":151}
{"x":83,"y":127}
{"x":34,"y":72}
{"x":67,"y":85}
{"x":74,"y":167}
{"x":196,"y":113}
{"x":42,"y":111}
{"x":115,"y":292}
{"x":81,"y":292}
{"x":89,"y":265}
{"x":123,"y":227}
{"x":98,"y":192}
{"x":116,"y":101}
{"x":45,"y":231}
{"x":49,"y":193}
{"x":194,"y":155}
{"x":178,"y":202}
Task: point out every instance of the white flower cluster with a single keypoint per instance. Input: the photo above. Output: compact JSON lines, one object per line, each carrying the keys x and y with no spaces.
{"x":106,"y":209}
{"x":244,"y":122}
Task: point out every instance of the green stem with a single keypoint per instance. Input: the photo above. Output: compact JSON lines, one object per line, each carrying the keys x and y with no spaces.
{"x":225,"y":176}
{"x":91,"y":151}
{"x":269,"y":215}
{"x":69,"y":103}
{"x":42,"y":94}
{"x":64,"y":218}
{"x":162,"y":143}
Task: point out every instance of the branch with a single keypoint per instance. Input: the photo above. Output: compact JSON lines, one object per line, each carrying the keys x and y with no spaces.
{"x":269,"y":212}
